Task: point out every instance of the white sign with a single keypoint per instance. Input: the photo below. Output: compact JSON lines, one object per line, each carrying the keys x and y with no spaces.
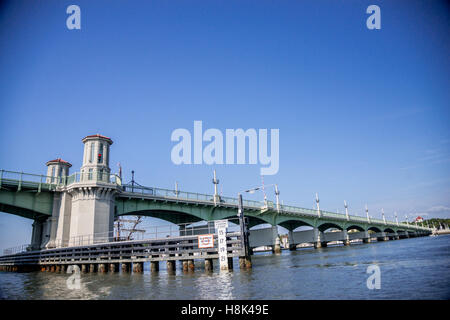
{"x":205,"y":241}
{"x":221,"y":227}
{"x":221,"y":224}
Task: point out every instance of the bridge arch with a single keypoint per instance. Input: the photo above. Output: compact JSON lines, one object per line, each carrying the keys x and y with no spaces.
{"x":389,"y":230}
{"x":355,"y":227}
{"x":329,"y":225}
{"x":175,"y":217}
{"x":293,"y":224}
{"x":374,"y":229}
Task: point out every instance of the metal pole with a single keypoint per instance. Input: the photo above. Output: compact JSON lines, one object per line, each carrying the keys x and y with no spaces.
{"x":346,"y":210}
{"x":317,"y":203}
{"x":277,"y":194}
{"x":367,"y":214}
{"x":243,"y":226}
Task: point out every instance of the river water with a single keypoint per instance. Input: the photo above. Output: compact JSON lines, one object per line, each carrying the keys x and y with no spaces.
{"x":417,"y":268}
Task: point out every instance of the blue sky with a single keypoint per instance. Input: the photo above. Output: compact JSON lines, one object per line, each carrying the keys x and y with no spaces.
{"x":363,"y":114}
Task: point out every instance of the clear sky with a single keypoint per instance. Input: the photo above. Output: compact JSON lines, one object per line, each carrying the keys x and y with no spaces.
{"x":363,"y":114}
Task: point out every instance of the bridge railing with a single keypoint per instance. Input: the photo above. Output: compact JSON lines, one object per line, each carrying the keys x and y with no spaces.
{"x":43,"y":182}
{"x":151,"y":232}
{"x":174,"y":194}
{"x":17,"y":249}
{"x":94,"y":176}
{"x":29,"y":180}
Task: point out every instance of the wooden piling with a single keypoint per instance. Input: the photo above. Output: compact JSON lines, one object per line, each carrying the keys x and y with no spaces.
{"x":154,"y":266}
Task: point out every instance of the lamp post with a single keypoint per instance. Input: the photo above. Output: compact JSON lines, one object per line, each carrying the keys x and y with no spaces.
{"x":245,"y":261}
{"x":367,"y":214}
{"x":215,"y":181}
{"x":244,"y":230}
{"x":396,"y":219}
{"x":317,"y":204}
{"x":346,"y":210}
{"x":382,"y":213}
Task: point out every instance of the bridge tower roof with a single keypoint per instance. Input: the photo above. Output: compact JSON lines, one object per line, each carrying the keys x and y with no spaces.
{"x":59,"y":161}
{"x":97,"y":137}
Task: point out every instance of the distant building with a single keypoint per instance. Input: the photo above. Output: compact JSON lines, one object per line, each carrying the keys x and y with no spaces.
{"x":419,"y":219}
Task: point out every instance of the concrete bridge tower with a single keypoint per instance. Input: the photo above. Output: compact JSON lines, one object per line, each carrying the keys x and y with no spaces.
{"x":92,"y":210}
{"x":44,"y":230}
{"x":56,"y":170}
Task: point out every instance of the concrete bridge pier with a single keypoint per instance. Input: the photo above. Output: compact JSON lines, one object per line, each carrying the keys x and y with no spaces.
{"x":382,"y":237}
{"x":318,"y":243}
{"x":154,"y":266}
{"x":366,"y":238}
{"x":84,"y":268}
{"x":292,"y":245}
{"x":346,"y":238}
{"x":36,"y":235}
{"x":276,"y":247}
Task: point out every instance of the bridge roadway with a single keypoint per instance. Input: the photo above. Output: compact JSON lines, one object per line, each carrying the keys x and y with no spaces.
{"x":32,"y":196}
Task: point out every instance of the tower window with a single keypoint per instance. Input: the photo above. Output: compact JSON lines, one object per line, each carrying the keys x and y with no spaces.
{"x":91,"y":158}
{"x":100,"y":153}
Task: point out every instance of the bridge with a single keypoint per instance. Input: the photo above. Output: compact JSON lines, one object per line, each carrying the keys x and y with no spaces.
{"x":76,"y":209}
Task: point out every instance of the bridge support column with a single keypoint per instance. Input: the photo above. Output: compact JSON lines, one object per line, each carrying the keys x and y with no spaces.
{"x":185,"y":266}
{"x":366,"y":238}
{"x":170,"y":264}
{"x":191,"y":265}
{"x":58,"y":268}
{"x":126,"y":267}
{"x":230,"y":263}
{"x":346,"y":239}
{"x":36,"y":236}
{"x":92,"y":268}
{"x":276,"y":247}
{"x":138,"y":267}
{"x":208,"y":264}
{"x":382,"y":237}
{"x":102,"y":268}
{"x":292,"y":245}
{"x":154,"y":266}
{"x":114,"y":267}
{"x":318,"y":239}
{"x":84,"y":268}
{"x":245,"y":263}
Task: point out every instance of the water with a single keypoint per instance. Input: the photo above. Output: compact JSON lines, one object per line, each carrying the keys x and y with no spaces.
{"x":417,"y":268}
